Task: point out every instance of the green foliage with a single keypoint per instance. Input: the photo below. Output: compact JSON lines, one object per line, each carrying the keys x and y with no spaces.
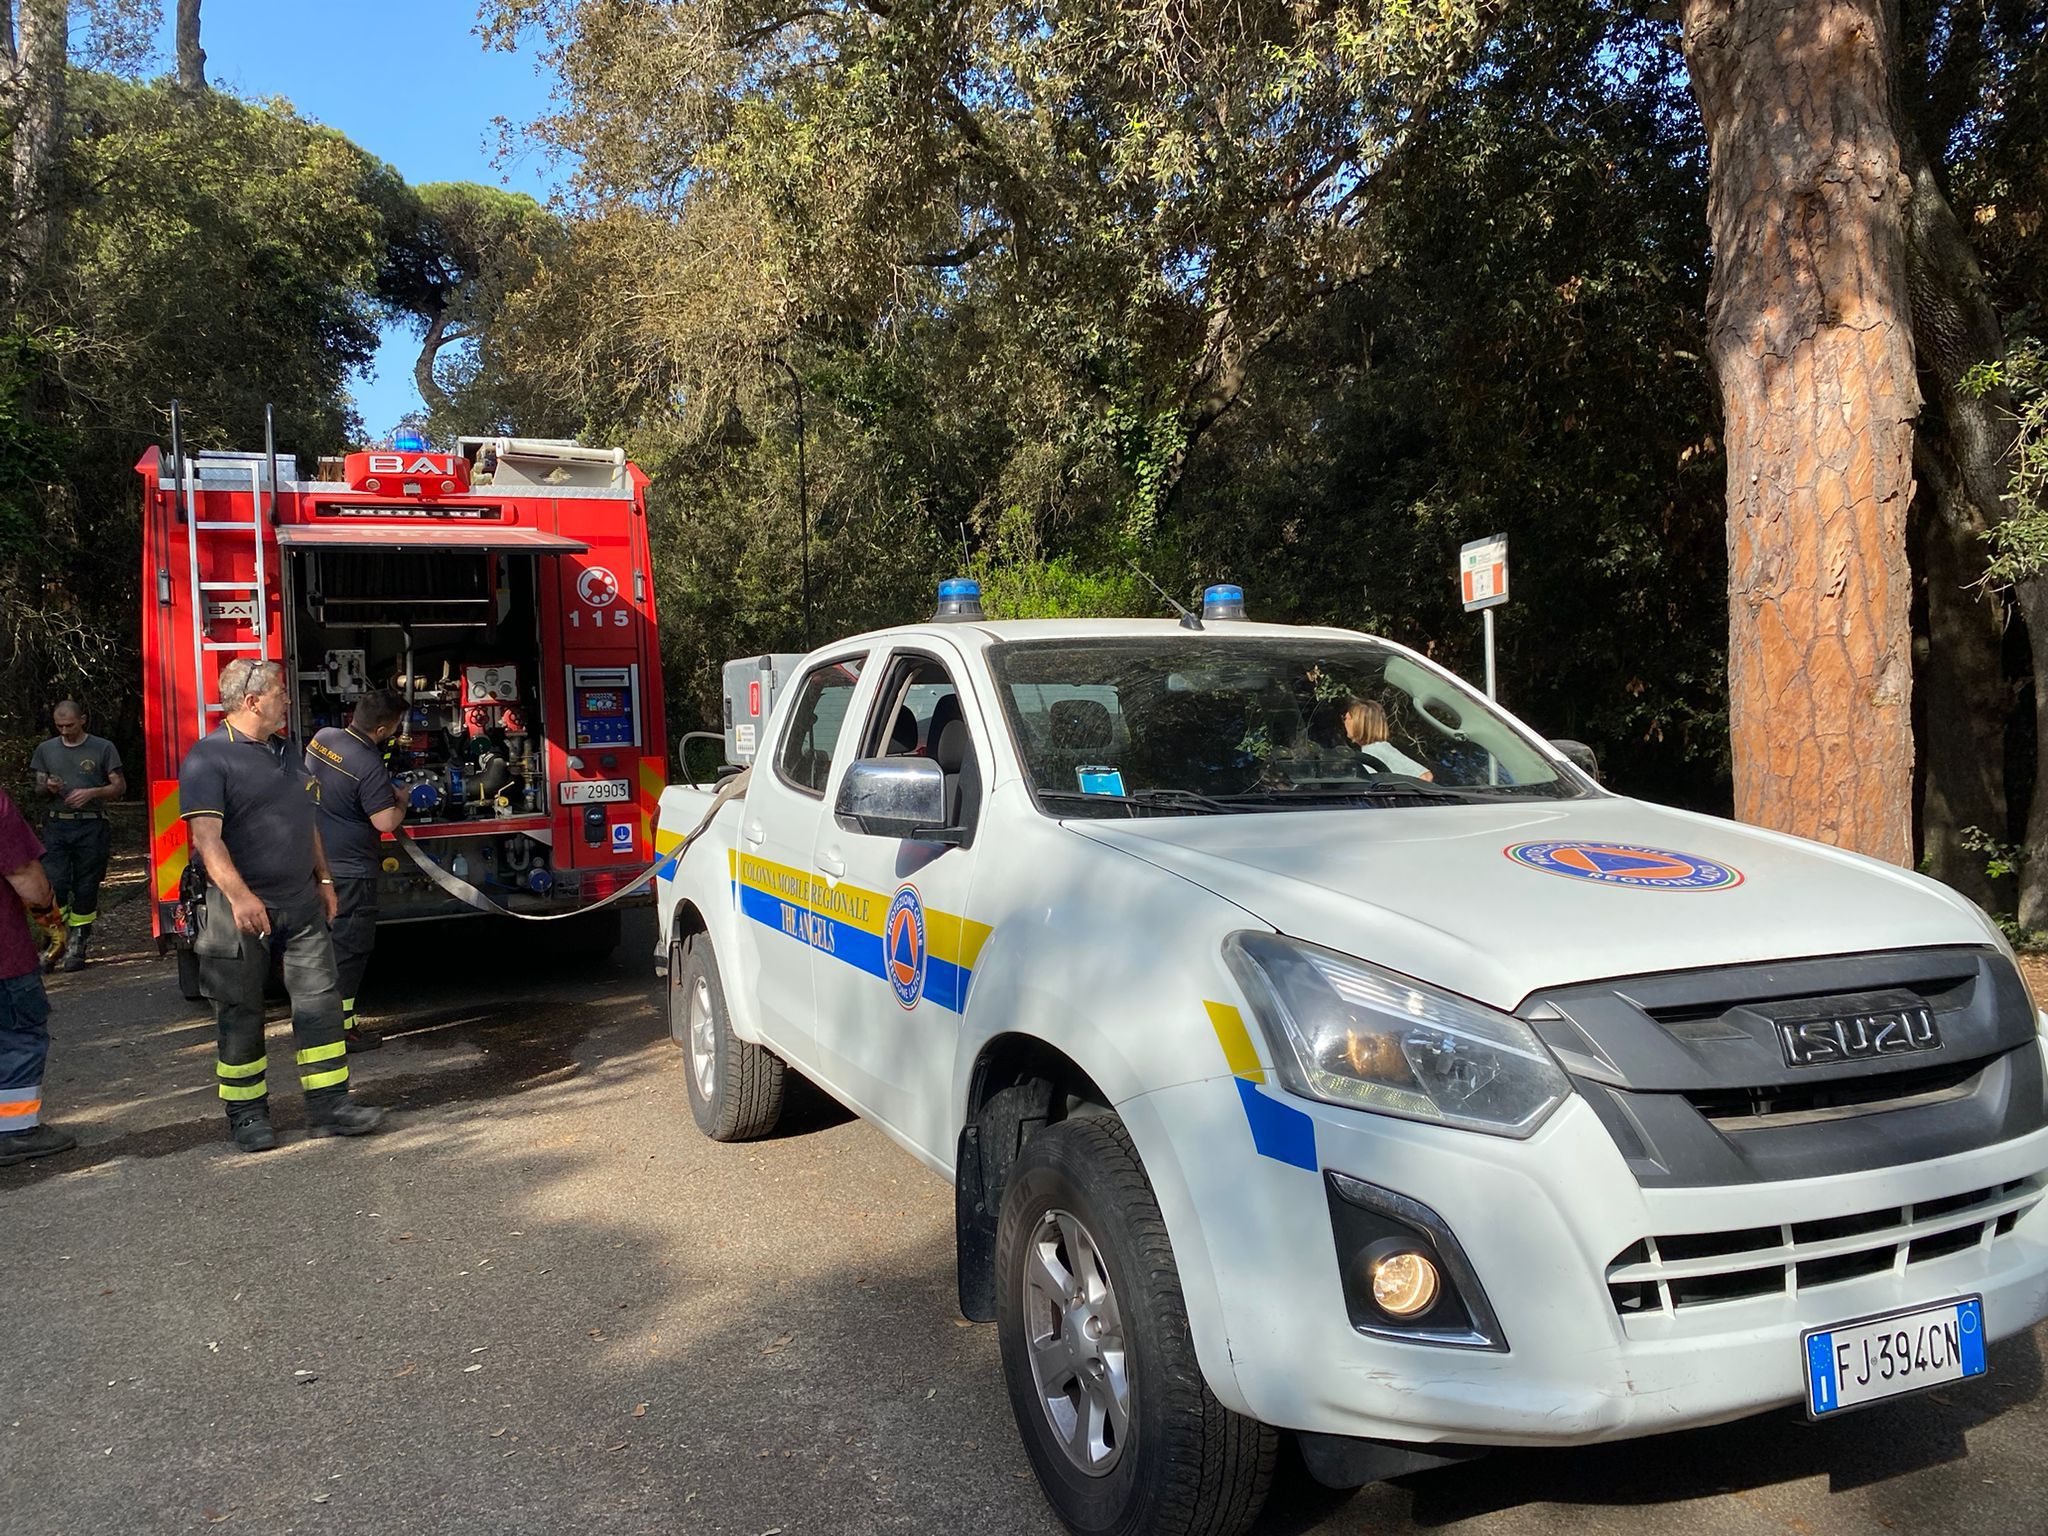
{"x":2020,"y":544}
{"x":1302,"y":298}
{"x":221,"y":253}
{"x":31,"y":452}
{"x":2000,"y":860}
{"x":455,"y":254}
{"x":214,"y":251}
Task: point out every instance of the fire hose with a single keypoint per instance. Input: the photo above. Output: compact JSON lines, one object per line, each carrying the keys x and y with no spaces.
{"x":661,"y":869}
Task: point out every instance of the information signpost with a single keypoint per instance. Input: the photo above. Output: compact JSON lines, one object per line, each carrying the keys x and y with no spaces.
{"x":1483,"y":581}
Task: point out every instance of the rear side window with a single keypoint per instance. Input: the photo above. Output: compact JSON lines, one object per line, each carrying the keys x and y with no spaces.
{"x":815,"y":721}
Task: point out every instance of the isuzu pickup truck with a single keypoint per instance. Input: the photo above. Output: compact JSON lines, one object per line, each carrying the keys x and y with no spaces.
{"x":1313,"y":1048}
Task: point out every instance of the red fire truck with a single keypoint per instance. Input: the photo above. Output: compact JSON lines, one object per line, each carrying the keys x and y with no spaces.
{"x":505,"y":588}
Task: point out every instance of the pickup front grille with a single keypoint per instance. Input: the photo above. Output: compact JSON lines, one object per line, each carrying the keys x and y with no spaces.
{"x":1801,"y":1103}
{"x":1680,"y":1271}
{"x":1696,"y":1078}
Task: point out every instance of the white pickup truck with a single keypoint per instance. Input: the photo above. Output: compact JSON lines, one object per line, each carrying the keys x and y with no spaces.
{"x":1314,"y":1048}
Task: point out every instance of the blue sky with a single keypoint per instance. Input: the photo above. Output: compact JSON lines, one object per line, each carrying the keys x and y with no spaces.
{"x":410,"y":82}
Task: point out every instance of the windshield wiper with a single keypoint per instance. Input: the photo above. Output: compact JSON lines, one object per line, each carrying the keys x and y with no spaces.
{"x":1150,"y":799}
{"x":1556,"y":789}
{"x":1389,"y":789}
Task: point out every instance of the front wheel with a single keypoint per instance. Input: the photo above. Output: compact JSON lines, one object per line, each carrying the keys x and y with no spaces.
{"x":735,"y":1087}
{"x":1124,"y":1434}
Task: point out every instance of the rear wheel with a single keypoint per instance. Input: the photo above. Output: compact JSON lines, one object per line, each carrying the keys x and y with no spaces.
{"x":1123,"y":1432}
{"x":735,"y":1087}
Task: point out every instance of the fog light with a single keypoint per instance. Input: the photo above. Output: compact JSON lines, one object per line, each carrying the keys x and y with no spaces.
{"x":1404,"y":1284}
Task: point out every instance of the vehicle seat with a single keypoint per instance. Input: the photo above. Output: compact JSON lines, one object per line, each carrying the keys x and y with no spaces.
{"x":944,"y":713}
{"x":954,"y":754}
{"x":902,"y":734}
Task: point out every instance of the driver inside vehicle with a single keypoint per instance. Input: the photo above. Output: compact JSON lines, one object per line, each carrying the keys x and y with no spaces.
{"x":1365,"y":727}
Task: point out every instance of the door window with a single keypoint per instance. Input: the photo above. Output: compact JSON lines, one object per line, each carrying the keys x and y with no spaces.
{"x":812,"y":735}
{"x":918,"y":713}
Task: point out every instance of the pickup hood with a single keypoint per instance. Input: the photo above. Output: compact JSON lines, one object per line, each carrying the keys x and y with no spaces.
{"x":1431,"y":891}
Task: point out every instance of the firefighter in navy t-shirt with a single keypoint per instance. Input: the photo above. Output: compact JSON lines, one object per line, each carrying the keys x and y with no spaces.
{"x":249,"y":811}
{"x":357,"y":805}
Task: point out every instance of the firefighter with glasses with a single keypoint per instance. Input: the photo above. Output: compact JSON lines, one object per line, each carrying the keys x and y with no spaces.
{"x":249,"y":809}
{"x":81,"y":773}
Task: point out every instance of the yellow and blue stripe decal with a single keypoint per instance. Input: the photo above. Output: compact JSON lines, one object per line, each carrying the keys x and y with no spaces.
{"x":1279,"y":1130}
{"x":922,"y":953}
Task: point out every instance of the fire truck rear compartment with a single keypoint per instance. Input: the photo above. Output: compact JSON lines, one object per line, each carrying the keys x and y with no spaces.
{"x":457,"y":632}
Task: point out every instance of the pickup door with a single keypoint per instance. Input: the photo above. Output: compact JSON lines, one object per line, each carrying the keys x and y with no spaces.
{"x":773,"y":879}
{"x":891,"y":990}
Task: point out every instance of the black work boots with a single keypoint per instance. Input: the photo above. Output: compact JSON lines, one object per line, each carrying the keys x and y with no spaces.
{"x":74,"y":947}
{"x":36,"y":1141}
{"x":252,"y":1132}
{"x":328,"y":1115}
{"x":341,"y":1116}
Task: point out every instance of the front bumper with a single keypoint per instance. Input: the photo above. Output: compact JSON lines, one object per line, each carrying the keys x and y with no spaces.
{"x":1554,"y":1229}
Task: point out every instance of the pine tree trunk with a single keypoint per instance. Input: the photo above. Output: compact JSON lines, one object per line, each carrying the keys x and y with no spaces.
{"x":1812,"y":342}
{"x":191,"y":57}
{"x":36,"y":111}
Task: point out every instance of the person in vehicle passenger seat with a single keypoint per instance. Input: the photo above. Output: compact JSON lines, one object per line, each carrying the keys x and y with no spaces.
{"x":1365,"y":726}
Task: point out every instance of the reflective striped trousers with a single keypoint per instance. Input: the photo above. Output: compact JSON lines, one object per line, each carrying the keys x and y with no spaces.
{"x":235,"y":980}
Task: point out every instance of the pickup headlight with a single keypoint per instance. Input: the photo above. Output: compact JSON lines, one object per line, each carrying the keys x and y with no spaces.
{"x":1352,"y":1034}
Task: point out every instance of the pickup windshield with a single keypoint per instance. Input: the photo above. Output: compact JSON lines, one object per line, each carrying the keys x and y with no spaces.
{"x":1208,"y":724}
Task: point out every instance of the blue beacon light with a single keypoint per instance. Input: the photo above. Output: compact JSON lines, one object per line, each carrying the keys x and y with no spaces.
{"x":1223,"y":601}
{"x":409,"y":442}
{"x":959,"y":599}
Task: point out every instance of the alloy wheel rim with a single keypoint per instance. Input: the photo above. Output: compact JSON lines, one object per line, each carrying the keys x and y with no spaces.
{"x":1074,"y":1335}
{"x":703,"y":1036}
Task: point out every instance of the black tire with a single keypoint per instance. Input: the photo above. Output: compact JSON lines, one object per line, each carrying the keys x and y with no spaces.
{"x":1185,"y":1465}
{"x":743,"y":1098}
{"x":188,"y":976}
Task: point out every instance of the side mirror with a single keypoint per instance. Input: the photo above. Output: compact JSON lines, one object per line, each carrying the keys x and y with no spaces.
{"x":901,"y":797}
{"x":720,"y":768}
{"x":1580,"y":756}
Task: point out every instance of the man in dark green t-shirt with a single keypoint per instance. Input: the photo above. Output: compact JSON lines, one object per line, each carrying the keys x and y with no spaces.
{"x":80,"y":773}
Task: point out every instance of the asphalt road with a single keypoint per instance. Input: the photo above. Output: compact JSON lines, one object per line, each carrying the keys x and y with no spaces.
{"x":542,"y":1302}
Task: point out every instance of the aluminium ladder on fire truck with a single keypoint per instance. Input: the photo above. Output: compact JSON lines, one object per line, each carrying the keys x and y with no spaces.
{"x":220,"y":471}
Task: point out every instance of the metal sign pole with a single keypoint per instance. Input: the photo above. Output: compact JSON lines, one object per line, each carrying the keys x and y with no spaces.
{"x":1486,"y":614}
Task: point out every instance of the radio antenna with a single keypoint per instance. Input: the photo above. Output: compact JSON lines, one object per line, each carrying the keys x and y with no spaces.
{"x":1187,"y":619}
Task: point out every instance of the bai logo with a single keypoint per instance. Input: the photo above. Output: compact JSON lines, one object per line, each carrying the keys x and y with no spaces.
{"x":411,"y":464}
